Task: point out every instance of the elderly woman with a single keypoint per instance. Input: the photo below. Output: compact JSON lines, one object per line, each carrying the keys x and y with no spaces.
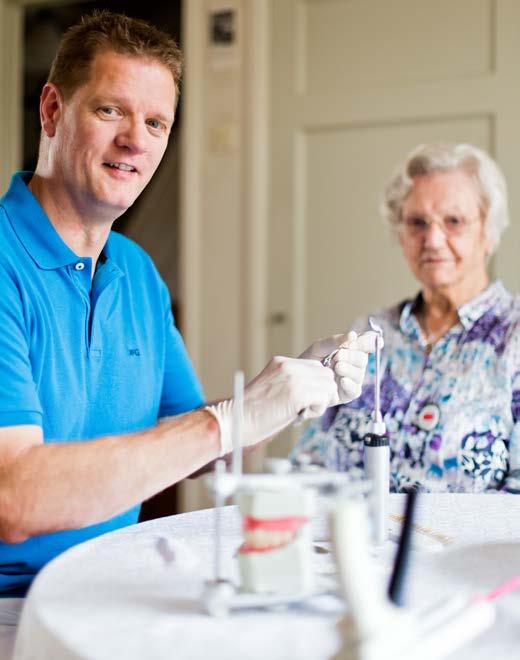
{"x":450,"y":390}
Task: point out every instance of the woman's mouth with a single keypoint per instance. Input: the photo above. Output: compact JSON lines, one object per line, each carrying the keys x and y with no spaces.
{"x":434,"y":261}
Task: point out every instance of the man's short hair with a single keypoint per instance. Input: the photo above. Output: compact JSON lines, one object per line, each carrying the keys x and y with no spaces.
{"x":105,"y":31}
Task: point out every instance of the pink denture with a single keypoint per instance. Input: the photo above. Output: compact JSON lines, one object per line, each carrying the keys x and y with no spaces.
{"x":289,"y":524}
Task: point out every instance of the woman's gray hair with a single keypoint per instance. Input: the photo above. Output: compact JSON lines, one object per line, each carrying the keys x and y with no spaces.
{"x":432,"y":158}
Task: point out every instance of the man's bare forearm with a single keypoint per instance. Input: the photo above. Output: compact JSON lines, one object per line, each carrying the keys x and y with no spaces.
{"x":228,"y":458}
{"x":51,"y":487}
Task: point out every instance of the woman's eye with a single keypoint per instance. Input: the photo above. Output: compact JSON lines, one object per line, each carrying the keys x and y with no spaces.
{"x":453,"y":221}
{"x":416,"y":223}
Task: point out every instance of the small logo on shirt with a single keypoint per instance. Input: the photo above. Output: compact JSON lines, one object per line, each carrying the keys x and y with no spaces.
{"x":134,"y":352}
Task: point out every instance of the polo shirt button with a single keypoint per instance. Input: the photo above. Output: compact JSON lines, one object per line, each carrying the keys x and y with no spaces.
{"x":79,"y":266}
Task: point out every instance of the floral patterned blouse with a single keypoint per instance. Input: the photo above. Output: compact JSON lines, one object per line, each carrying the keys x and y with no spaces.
{"x":452,"y":415}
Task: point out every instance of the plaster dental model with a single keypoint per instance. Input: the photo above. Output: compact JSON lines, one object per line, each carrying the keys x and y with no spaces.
{"x":276,"y":556}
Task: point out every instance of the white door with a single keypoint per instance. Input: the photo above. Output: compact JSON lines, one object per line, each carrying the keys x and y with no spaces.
{"x":355,"y":85}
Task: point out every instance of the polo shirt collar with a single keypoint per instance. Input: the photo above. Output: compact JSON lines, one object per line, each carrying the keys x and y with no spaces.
{"x":469,"y":313}
{"x":33,"y":227}
{"x":107,"y":261}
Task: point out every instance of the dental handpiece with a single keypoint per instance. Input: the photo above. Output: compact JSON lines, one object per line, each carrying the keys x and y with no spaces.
{"x":377,"y":452}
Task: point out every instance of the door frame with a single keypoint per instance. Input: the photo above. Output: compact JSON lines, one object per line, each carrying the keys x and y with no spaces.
{"x":11,"y":79}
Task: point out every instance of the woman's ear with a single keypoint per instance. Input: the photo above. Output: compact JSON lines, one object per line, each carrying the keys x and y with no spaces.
{"x":490,"y":242}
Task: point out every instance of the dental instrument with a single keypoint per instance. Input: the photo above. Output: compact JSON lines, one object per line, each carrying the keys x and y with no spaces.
{"x":377,"y":452}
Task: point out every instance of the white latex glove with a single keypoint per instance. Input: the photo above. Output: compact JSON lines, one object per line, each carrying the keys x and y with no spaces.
{"x":275,"y":398}
{"x":349,"y":362}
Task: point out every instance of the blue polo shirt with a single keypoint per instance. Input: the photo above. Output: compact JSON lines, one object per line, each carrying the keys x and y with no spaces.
{"x":80,"y":357}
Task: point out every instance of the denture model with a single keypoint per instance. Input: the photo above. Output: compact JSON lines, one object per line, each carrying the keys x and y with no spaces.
{"x":276,"y":556}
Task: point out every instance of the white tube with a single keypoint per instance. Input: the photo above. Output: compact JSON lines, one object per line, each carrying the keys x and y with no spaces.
{"x":377,"y":469}
{"x":368,"y":606}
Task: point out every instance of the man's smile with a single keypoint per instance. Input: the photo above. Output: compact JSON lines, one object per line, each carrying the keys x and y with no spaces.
{"x":123,"y":167}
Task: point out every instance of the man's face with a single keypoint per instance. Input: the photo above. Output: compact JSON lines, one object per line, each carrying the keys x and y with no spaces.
{"x":112,"y":133}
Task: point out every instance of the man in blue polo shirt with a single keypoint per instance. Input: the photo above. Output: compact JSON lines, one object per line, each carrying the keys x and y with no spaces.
{"x":90,"y":359}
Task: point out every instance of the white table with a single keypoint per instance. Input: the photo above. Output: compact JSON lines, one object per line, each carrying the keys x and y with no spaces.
{"x":115,"y":597}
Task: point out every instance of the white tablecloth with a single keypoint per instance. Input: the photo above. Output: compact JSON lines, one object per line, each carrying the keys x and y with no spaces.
{"x":116,"y":598}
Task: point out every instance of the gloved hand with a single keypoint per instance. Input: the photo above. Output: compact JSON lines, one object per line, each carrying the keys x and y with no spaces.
{"x":349,"y":360}
{"x":274,"y":398}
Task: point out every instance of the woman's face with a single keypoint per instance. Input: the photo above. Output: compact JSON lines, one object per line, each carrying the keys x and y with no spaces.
{"x":441,"y":231}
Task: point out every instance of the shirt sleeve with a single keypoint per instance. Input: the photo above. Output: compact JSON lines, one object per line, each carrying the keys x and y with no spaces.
{"x":19,"y":401}
{"x":181,"y":390}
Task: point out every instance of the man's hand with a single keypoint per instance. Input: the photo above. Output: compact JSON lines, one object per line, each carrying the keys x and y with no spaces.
{"x":349,"y":360}
{"x":275,"y":398}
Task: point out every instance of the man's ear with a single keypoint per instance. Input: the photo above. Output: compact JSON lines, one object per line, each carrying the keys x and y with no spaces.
{"x":51,"y":104}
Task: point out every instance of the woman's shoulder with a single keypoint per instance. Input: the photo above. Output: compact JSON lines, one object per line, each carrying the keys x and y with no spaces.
{"x":494,"y":320}
{"x":504,"y":306}
{"x":511,"y":314}
{"x":513,"y":309}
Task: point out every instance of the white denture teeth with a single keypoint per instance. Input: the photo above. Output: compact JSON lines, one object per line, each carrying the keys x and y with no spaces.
{"x":259,"y":539}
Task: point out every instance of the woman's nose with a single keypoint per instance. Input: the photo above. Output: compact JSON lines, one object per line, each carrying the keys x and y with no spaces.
{"x":434,"y":235}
